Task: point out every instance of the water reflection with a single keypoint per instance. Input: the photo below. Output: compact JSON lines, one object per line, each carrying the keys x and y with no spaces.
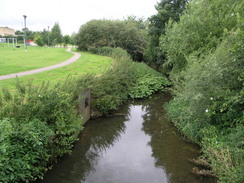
{"x":139,"y":147}
{"x":170,"y":150}
{"x":95,"y":140}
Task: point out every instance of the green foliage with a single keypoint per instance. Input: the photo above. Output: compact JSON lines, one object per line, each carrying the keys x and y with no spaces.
{"x":111,"y":89}
{"x":23,"y":149}
{"x":66,"y":40}
{"x":38,"y":40}
{"x":41,"y":124}
{"x":146,"y":86}
{"x":180,"y":113}
{"x":55,"y":35}
{"x":125,"y":79}
{"x":205,"y":50}
{"x":200,"y":29}
{"x":166,"y":10}
{"x":225,"y":150}
{"x":148,"y":81}
{"x":124,"y":34}
{"x":213,"y":85}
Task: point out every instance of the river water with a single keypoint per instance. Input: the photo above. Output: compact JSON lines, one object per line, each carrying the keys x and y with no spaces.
{"x":138,"y":146}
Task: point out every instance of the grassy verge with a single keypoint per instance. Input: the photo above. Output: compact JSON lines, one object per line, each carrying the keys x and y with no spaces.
{"x":87,"y":63}
{"x":14,"y":61}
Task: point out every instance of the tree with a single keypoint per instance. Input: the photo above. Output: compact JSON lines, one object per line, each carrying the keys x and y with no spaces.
{"x":200,"y":29}
{"x":167,"y":9}
{"x":44,"y":35}
{"x":113,"y":33}
{"x":55,"y":35}
{"x":66,"y":40}
{"x":73,"y":38}
{"x":38,"y":40}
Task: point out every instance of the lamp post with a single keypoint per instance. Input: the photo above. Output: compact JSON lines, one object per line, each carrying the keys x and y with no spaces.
{"x":25,"y":33}
{"x":48,"y":37}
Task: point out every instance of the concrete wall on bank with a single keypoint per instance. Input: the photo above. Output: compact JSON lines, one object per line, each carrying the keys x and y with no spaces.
{"x":85,"y":104}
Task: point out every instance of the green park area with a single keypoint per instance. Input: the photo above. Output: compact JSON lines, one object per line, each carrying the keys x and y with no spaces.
{"x":14,"y":61}
{"x":17,"y":60}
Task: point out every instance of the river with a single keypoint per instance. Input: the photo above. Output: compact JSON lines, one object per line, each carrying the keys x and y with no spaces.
{"x":138,"y":146}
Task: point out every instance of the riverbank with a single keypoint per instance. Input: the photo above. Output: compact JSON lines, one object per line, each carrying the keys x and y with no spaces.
{"x":39,"y":124}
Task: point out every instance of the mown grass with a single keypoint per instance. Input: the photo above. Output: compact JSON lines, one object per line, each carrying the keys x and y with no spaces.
{"x":17,"y":60}
{"x":87,"y":63}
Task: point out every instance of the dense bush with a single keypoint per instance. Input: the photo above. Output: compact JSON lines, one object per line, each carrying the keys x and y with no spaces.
{"x":24,"y":151}
{"x":38,"y":124}
{"x":206,"y":50}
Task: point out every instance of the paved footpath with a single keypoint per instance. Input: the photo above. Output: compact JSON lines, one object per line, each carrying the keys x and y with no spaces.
{"x":67,"y":62}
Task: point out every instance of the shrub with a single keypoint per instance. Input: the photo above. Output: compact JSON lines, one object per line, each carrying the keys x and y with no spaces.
{"x":24,"y":152}
{"x":39,"y":123}
{"x":111,"y":89}
{"x":147,"y":85}
{"x":224,"y":150}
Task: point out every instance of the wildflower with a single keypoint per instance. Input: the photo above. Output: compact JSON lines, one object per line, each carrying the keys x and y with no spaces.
{"x":206,"y":110}
{"x":211,"y":98}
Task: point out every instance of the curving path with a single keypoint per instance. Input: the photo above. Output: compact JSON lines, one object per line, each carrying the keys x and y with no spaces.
{"x":67,"y":62}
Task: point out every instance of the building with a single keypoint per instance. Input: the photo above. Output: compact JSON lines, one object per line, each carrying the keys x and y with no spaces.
{"x":31,"y":43}
{"x":2,"y":40}
{"x":5,"y":31}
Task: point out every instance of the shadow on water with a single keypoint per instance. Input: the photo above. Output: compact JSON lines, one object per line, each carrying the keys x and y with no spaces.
{"x":140,"y":147}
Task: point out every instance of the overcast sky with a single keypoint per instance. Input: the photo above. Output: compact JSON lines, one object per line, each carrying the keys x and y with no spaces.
{"x":70,"y":14}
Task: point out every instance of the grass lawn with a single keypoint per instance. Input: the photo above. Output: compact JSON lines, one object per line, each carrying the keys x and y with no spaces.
{"x":14,"y":61}
{"x":87,"y":63}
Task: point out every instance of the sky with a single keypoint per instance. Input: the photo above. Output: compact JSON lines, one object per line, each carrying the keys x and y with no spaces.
{"x":70,"y":14}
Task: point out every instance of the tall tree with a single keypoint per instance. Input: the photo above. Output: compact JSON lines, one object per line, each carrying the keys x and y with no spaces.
{"x":167,"y":9}
{"x":66,"y":40}
{"x":56,"y":35}
{"x":44,"y":35}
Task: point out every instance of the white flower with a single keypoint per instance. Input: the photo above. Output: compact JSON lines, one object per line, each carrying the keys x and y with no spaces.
{"x":211,"y":98}
{"x":39,"y":95}
{"x":232,"y":14}
{"x":206,"y":110}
